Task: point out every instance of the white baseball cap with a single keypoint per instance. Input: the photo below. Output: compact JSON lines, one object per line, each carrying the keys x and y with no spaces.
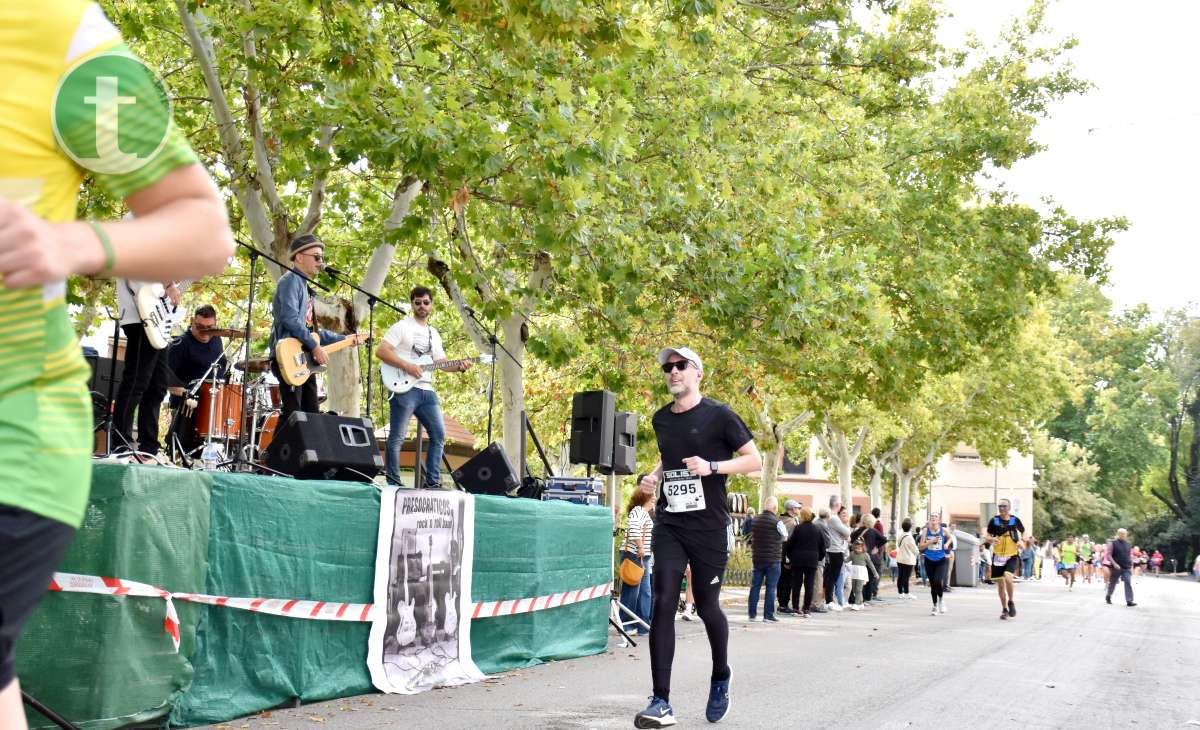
{"x":685,"y":352}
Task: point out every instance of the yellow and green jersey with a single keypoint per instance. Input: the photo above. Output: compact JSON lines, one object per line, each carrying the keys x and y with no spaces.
{"x":45,"y":412}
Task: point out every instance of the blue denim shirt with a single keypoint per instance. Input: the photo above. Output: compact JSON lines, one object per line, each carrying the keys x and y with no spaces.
{"x":288,"y":309}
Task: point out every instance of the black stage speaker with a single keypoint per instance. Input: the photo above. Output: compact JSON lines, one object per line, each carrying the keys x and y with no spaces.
{"x":624,"y":459}
{"x":325,"y":446}
{"x":592,"y":428}
{"x":488,"y":472}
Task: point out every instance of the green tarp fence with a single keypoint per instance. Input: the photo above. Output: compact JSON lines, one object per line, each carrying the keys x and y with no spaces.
{"x":106,"y":661}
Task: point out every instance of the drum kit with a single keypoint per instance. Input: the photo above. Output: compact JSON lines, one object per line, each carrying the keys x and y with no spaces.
{"x":218,"y":425}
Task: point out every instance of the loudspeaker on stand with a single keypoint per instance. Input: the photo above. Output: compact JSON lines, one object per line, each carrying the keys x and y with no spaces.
{"x":592,"y":414}
{"x":624,"y":459}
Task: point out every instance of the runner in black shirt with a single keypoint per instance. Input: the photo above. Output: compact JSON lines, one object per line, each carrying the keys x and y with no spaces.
{"x":696,"y":438}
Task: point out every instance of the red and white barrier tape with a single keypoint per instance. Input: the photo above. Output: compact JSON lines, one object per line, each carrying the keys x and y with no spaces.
{"x":75,"y":583}
{"x":316,"y":610}
{"x":488,"y":609}
{"x":319,"y":610}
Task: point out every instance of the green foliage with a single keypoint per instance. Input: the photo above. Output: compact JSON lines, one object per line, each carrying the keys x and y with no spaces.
{"x":1065,"y":500}
{"x":798,"y":190}
{"x":1132,"y":411}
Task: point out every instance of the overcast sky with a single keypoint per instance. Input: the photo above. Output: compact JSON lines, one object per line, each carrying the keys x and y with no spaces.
{"x":1129,"y":147}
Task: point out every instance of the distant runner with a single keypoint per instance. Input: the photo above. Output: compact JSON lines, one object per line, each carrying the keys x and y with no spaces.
{"x":1069,"y":553}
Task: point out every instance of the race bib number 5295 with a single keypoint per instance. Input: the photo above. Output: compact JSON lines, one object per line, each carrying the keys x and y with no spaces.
{"x":683,"y":491}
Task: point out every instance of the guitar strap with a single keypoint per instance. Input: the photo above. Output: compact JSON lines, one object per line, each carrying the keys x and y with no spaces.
{"x":132,"y":298}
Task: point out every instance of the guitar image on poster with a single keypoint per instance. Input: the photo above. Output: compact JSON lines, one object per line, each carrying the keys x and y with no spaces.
{"x":406,"y":632}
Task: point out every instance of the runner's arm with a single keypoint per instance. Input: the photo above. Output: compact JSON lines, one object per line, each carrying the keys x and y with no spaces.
{"x":747,"y":460}
{"x":652,"y":479}
{"x":179,"y":229}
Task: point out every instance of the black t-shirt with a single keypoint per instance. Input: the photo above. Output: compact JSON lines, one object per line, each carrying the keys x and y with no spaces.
{"x":710,"y":430}
{"x":189,"y":359}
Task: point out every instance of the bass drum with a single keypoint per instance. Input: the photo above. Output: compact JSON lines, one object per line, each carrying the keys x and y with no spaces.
{"x":267,"y":434}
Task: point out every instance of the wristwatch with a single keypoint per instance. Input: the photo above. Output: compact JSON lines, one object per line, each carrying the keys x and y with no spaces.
{"x":712,"y":465}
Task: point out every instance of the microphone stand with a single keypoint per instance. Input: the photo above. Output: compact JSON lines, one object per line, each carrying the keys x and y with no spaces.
{"x":492,"y":384}
{"x":372,"y":300}
{"x":244,"y":408}
{"x":109,"y":413}
{"x":527,"y":425}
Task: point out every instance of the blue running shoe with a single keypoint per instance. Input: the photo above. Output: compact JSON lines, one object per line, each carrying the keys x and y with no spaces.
{"x":657,"y":714}
{"x":718,"y":700}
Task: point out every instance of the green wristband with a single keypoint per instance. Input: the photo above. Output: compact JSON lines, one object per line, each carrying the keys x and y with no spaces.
{"x":110,"y":256}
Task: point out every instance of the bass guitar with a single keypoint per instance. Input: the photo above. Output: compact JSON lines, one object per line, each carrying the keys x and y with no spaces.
{"x":296,"y":365}
{"x":399,"y":381}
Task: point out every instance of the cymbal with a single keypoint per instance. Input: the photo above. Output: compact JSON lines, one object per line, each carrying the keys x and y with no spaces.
{"x":254,"y":365}
{"x":222,"y":332}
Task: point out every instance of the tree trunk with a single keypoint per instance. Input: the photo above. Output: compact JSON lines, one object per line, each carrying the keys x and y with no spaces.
{"x":845,"y":476}
{"x":876,"y":487}
{"x":343,"y":383}
{"x":904,"y":506}
{"x":512,"y":385}
{"x":770,"y":470}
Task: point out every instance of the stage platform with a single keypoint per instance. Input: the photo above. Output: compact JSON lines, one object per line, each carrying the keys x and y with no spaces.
{"x":105,"y":661}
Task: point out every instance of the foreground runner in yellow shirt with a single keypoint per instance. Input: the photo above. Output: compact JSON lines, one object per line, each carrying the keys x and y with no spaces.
{"x":74,"y":102}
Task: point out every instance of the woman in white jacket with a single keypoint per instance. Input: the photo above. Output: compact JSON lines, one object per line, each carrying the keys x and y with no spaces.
{"x":906,"y":558}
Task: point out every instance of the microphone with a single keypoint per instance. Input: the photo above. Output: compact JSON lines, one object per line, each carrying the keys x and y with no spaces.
{"x":331,"y":270}
{"x":469,"y":310}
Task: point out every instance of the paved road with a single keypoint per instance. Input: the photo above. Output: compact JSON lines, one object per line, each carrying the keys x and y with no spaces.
{"x":1068,"y":660}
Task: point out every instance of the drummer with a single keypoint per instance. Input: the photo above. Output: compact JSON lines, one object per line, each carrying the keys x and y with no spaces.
{"x":189,"y":359}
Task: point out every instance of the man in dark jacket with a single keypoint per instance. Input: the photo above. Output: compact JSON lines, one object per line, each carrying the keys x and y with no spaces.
{"x":766,"y":545}
{"x":876,"y":549}
{"x":1122,"y":564}
{"x":805,"y":549}
{"x":787,"y":585}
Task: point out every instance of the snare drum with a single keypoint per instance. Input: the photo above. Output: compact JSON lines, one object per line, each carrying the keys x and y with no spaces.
{"x":222,"y":403}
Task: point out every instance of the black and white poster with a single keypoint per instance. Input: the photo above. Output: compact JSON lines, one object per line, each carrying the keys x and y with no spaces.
{"x":423,"y":578}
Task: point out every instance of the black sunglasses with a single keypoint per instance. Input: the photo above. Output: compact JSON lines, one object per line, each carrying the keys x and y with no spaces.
{"x":679,"y":365}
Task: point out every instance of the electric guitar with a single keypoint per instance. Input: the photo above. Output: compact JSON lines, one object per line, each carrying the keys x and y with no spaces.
{"x":159,"y":316}
{"x":398,"y":381}
{"x":296,"y":365}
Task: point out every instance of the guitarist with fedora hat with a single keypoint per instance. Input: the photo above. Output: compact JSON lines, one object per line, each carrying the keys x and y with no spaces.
{"x":292,"y":311}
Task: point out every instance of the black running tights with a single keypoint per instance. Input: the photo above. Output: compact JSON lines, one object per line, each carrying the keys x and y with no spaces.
{"x":674,"y":549}
{"x":936,"y":570}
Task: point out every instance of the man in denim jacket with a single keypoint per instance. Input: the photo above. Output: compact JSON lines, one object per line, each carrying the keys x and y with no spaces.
{"x":292,"y":309}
